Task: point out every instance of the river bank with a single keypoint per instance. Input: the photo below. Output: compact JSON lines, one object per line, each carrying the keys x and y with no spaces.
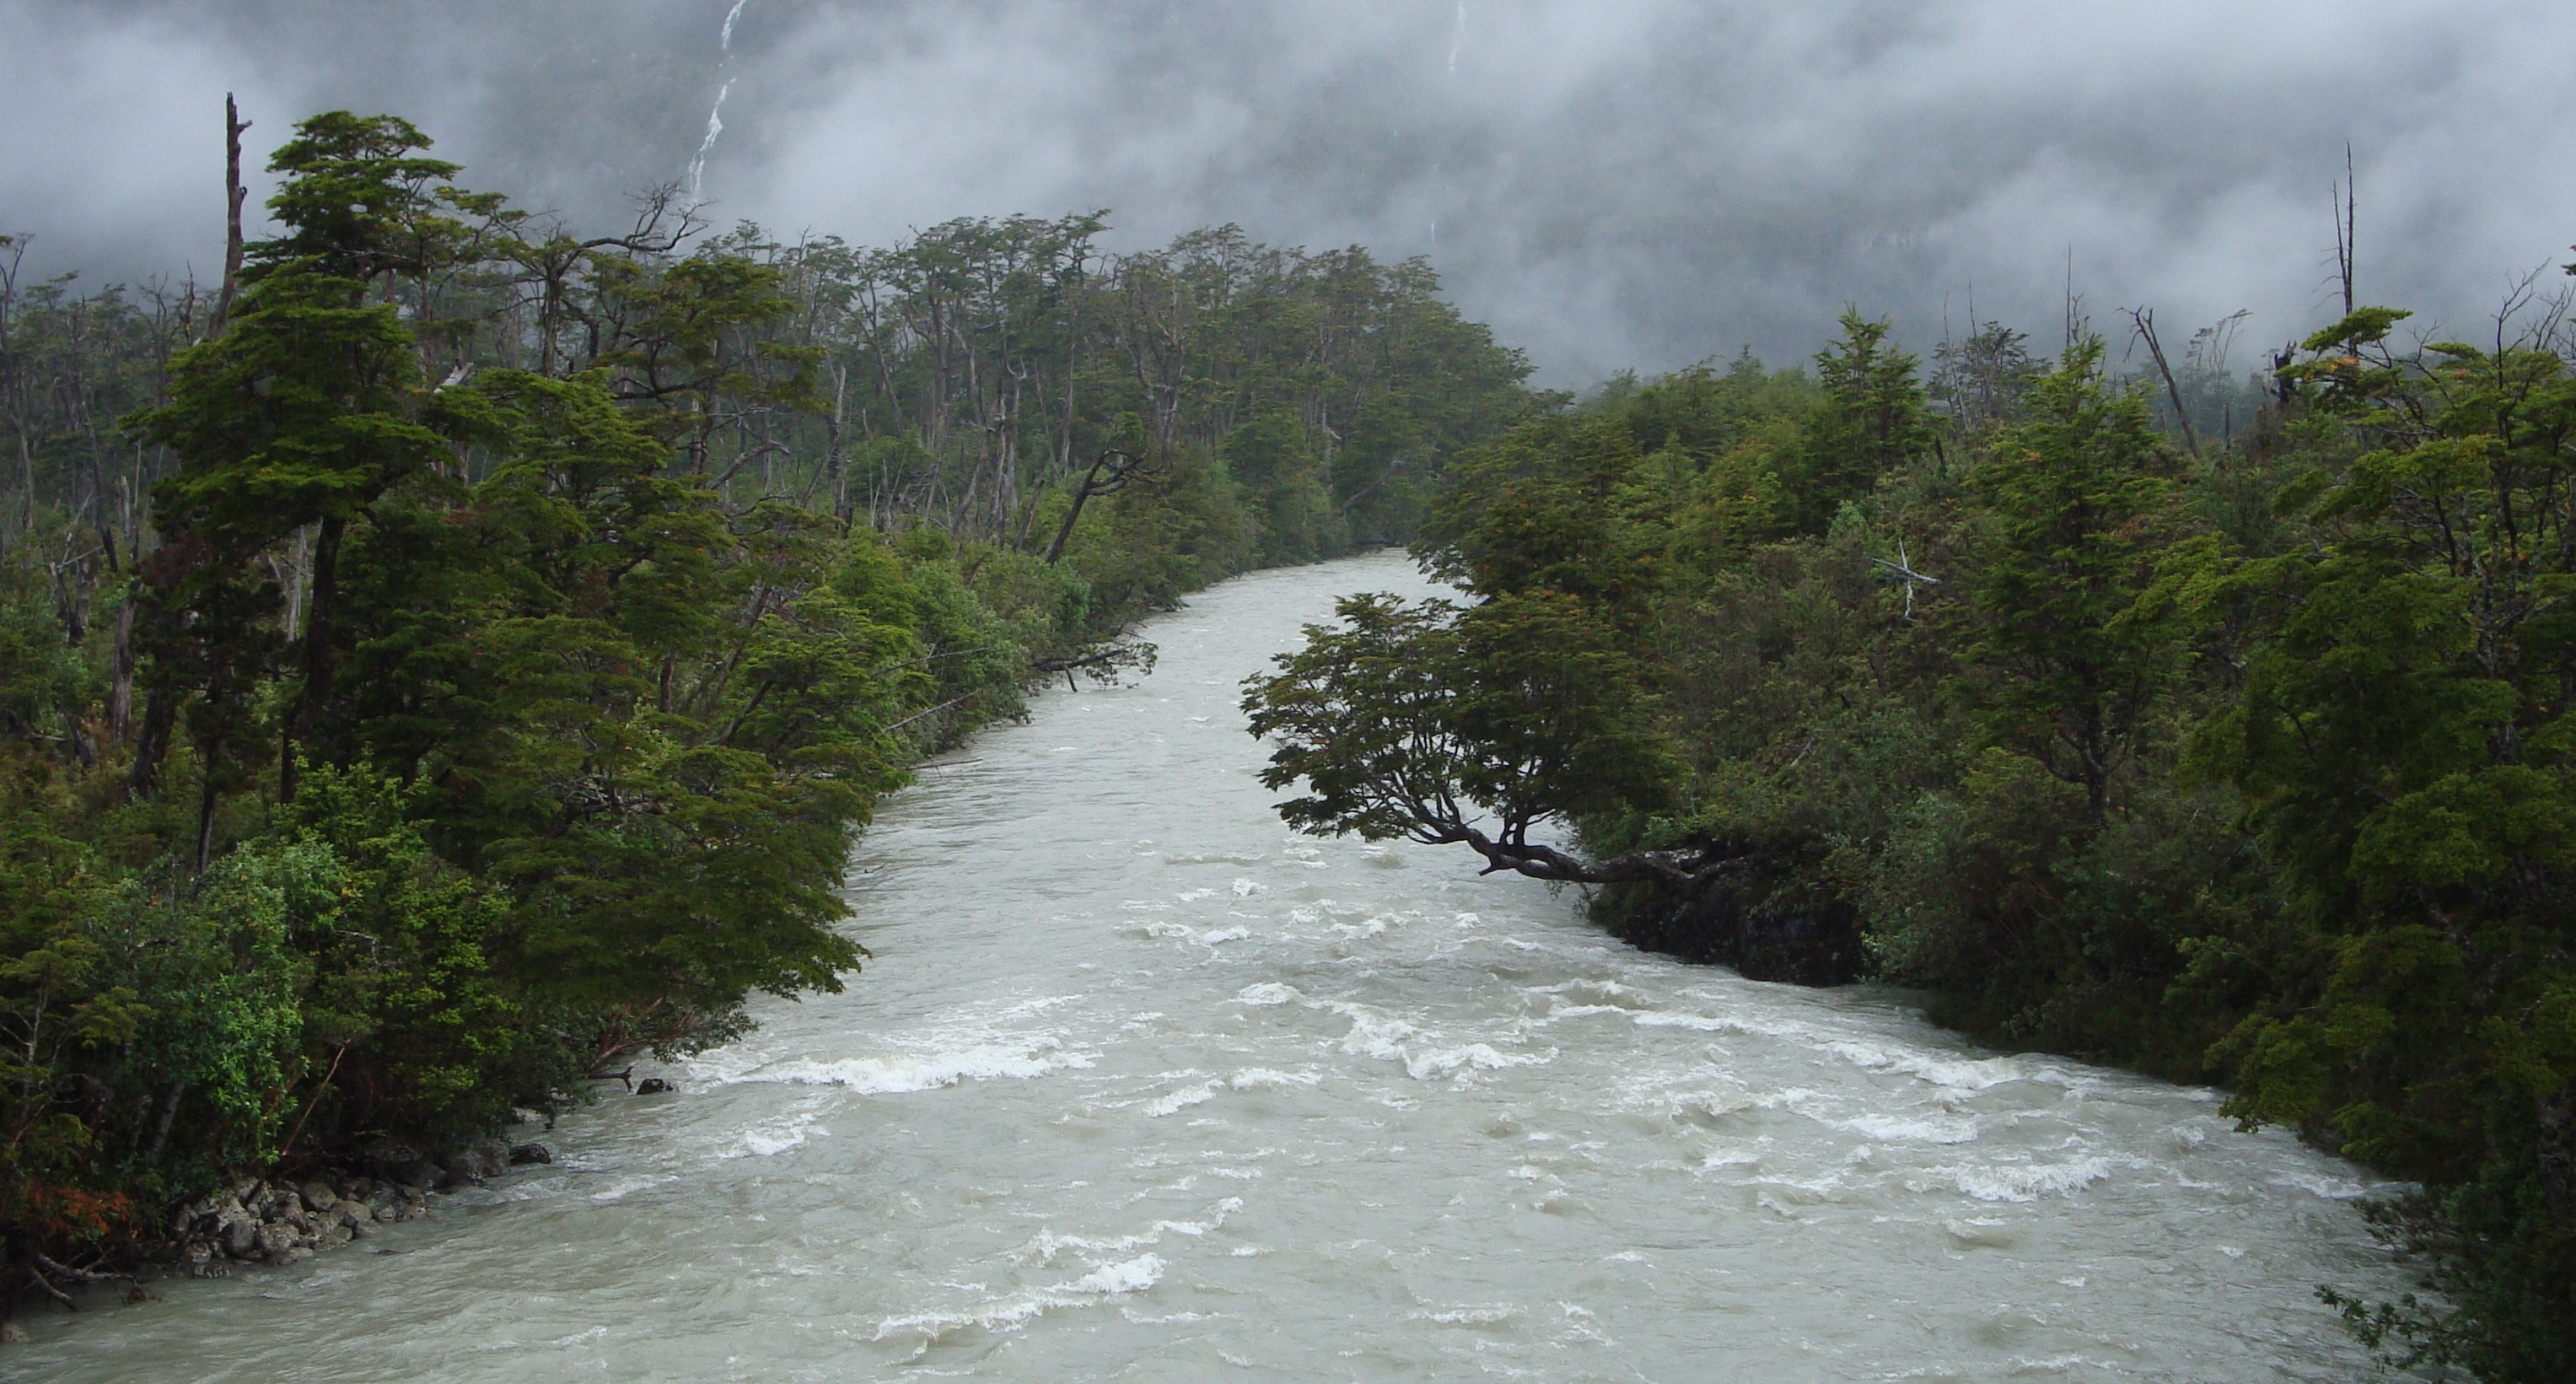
{"x":1140,"y":1083}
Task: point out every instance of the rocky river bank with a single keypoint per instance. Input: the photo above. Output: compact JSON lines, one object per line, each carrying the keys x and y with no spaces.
{"x":282,"y":1223}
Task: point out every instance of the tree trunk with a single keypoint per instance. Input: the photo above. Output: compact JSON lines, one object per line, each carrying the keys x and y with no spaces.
{"x":207,"y":801}
{"x":120,"y":690}
{"x":151,"y":745}
{"x":320,"y":656}
{"x":234,"y":193}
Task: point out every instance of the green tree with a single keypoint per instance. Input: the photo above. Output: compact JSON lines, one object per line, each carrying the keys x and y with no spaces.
{"x":1869,"y":422}
{"x":2403,"y":742}
{"x":2073,"y":641}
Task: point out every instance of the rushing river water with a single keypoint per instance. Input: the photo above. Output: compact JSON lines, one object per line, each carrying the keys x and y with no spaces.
{"x":1141,"y":1085}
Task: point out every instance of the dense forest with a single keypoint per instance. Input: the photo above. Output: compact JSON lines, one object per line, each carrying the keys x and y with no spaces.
{"x":455,"y":650}
{"x":2215,"y":727}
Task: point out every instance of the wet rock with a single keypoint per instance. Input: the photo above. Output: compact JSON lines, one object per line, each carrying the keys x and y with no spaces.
{"x":334,"y":1236}
{"x":318,"y":1196}
{"x":491,"y":1157}
{"x":240,"y":1236}
{"x":289,"y":1256}
{"x":530,"y":1153}
{"x":197,"y":1216}
{"x":12,"y":1334}
{"x":274,"y":1239}
{"x":654,"y":1086}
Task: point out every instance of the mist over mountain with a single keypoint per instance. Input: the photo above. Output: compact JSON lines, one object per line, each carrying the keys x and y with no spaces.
{"x":1612,"y":183}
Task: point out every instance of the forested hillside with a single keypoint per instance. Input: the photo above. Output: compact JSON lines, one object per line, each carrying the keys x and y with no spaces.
{"x":457,"y":649}
{"x":2212,"y":728}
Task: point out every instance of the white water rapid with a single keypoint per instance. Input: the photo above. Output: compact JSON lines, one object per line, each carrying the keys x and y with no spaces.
{"x":1142,"y":1086}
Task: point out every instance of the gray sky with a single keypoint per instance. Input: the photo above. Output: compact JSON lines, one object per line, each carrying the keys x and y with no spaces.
{"x":1610,"y":182}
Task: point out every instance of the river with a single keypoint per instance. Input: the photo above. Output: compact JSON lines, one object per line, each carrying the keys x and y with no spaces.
{"x":1141,"y":1085}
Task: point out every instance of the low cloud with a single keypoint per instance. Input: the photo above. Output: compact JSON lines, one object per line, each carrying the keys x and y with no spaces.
{"x":1611,"y":182}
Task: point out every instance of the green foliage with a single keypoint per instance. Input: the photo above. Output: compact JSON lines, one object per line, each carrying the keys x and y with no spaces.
{"x":475,"y":653}
{"x":2071,"y":648}
{"x":1411,"y":720}
{"x":1868,"y":424}
{"x":2251,"y":767}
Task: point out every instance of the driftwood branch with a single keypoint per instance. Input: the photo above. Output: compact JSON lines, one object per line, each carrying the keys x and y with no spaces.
{"x":1688,"y":873}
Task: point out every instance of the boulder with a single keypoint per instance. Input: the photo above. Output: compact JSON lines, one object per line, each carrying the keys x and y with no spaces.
{"x":530,"y":1153}
{"x":274,"y":1239}
{"x":318,"y":1196}
{"x":654,"y":1086}
{"x":240,"y":1236}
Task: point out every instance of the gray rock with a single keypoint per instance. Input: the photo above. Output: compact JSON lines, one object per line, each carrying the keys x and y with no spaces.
{"x":292,"y":1254}
{"x":362,"y":1229}
{"x":275,"y":1239}
{"x":334,"y":1236}
{"x":531,"y":1153}
{"x":318,"y":1196}
{"x":240,"y":1236}
{"x":196,"y":1215}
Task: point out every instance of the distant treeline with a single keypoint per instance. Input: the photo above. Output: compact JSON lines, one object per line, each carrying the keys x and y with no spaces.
{"x":2217,"y":728}
{"x":453,"y":651}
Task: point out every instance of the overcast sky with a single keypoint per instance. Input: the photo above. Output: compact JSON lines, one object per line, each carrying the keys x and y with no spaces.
{"x":1609,"y":182}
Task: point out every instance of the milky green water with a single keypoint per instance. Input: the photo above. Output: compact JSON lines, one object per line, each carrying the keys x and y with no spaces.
{"x":1141,"y":1085}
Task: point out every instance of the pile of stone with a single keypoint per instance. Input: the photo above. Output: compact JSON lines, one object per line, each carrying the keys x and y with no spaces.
{"x":256,"y":1221}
